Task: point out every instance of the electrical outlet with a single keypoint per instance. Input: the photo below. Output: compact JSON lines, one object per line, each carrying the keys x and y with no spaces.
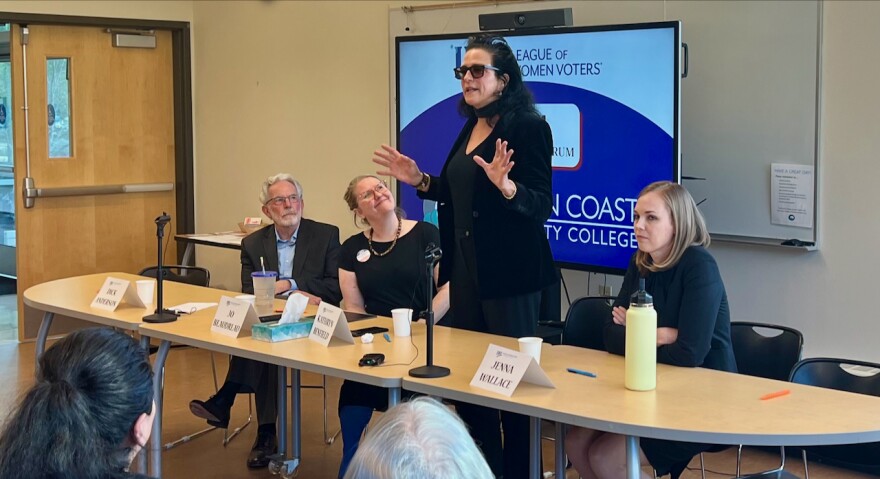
{"x":605,"y":290}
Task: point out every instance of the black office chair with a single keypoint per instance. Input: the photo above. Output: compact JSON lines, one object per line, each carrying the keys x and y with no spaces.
{"x":583,"y":327}
{"x":197,"y":276}
{"x":770,"y":355}
{"x":194,"y":275}
{"x":845,"y":375}
{"x":585,"y":322}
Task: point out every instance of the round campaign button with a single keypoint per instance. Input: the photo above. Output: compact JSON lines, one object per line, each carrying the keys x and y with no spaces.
{"x":363,"y":255}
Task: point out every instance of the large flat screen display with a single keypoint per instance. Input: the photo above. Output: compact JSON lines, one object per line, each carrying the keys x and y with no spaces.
{"x":611,"y":97}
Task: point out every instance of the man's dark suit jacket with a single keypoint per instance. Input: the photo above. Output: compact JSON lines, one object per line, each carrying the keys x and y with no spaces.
{"x":315,"y":270}
{"x":315,"y":262}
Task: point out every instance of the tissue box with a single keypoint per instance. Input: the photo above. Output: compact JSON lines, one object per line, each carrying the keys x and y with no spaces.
{"x":274,"y":332}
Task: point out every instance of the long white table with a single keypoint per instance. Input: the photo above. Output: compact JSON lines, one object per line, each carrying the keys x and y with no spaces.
{"x":697,"y":405}
{"x":73,"y":296}
{"x":338,"y":360}
{"x":689,"y":404}
{"x":228,"y":240}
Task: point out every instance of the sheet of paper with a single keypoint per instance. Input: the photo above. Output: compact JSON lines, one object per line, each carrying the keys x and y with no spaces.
{"x":227,"y":238}
{"x":189,"y":308}
{"x":791,"y":195}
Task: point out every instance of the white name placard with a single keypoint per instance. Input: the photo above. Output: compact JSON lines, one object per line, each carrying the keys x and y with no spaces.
{"x":330,"y":322}
{"x":503,"y":369}
{"x":234,"y":318}
{"x":115,"y":291}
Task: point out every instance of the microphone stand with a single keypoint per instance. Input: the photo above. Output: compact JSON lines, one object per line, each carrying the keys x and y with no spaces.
{"x":161,"y":315}
{"x":429,"y":370}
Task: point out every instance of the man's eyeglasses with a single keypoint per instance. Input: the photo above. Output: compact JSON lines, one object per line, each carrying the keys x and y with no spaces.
{"x":279,"y":200}
{"x":368,"y":195}
{"x":477,"y":70}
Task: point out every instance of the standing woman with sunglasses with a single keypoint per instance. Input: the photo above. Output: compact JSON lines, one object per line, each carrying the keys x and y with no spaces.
{"x":494,"y":195}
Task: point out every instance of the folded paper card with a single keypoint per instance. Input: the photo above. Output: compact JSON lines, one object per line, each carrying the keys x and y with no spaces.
{"x":275,"y":331}
{"x":234,"y":317}
{"x":330,"y":322}
{"x":113,"y":292}
{"x":503,"y":369}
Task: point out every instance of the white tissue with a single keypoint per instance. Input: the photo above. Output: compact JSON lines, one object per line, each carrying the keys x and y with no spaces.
{"x":293,"y":309}
{"x":367,"y":338}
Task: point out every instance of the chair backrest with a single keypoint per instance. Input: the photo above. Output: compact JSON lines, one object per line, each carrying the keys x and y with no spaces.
{"x":766,"y":356}
{"x":828,"y":373}
{"x":195,"y":275}
{"x":585,"y":322}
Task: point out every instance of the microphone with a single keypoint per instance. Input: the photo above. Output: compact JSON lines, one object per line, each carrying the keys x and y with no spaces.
{"x":433,"y":253}
{"x":161,"y":315}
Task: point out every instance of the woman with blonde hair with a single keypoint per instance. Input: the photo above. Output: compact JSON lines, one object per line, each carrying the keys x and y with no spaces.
{"x":693,"y":322}
{"x":380,"y":269}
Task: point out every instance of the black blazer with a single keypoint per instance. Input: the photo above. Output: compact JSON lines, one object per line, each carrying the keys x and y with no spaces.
{"x":690,"y":297}
{"x":315,"y":264}
{"x":512,"y":252}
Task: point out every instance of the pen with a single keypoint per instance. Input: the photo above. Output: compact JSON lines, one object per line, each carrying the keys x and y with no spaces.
{"x":776,"y":394}
{"x":387,"y":338}
{"x":582,"y":373}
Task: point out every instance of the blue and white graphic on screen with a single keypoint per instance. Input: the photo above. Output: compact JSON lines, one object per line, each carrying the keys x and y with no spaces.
{"x":610,"y":99}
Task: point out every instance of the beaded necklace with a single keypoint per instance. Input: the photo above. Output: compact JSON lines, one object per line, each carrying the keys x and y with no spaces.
{"x":393,"y":243}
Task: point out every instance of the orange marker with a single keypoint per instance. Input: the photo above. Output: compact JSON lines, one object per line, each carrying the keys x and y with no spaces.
{"x":784,"y":392}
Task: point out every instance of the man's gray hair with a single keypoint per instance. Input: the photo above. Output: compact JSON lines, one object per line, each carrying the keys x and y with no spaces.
{"x":264,"y":192}
{"x":419,"y":439}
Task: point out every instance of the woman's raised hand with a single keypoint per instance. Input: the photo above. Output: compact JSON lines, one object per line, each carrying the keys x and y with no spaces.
{"x":397,"y":164}
{"x":498,"y":170}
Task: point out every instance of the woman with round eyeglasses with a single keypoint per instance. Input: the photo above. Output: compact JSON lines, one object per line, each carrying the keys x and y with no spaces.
{"x":494,"y":195}
{"x":380,"y":269}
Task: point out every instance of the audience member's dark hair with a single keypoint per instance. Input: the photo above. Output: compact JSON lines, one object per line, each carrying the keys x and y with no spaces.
{"x":516,"y":97}
{"x":76,"y":420}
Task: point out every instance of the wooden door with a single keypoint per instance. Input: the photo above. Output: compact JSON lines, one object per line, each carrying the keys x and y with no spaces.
{"x":120,"y":119}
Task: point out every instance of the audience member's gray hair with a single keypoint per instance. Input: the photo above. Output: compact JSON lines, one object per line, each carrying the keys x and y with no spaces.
{"x":419,"y":439}
{"x":264,"y":192}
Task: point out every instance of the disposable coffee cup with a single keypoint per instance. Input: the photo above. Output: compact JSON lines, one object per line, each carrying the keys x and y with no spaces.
{"x":145,"y":290}
{"x":532,"y":347}
{"x":264,"y":290}
{"x":248,"y":298}
{"x":402,"y":321}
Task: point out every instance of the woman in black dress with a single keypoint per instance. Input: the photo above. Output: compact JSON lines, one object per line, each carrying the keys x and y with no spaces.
{"x":380,"y":269}
{"x":494,"y":195}
{"x":693,"y":322}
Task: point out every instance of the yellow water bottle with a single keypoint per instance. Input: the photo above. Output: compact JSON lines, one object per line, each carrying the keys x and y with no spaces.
{"x":641,"y":341}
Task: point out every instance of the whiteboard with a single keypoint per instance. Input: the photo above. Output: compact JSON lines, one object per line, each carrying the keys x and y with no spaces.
{"x":750,"y":99}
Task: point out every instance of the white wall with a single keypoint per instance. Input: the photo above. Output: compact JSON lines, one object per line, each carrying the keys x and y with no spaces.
{"x":146,"y":10}
{"x":829,"y":294}
{"x":303,"y":87}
